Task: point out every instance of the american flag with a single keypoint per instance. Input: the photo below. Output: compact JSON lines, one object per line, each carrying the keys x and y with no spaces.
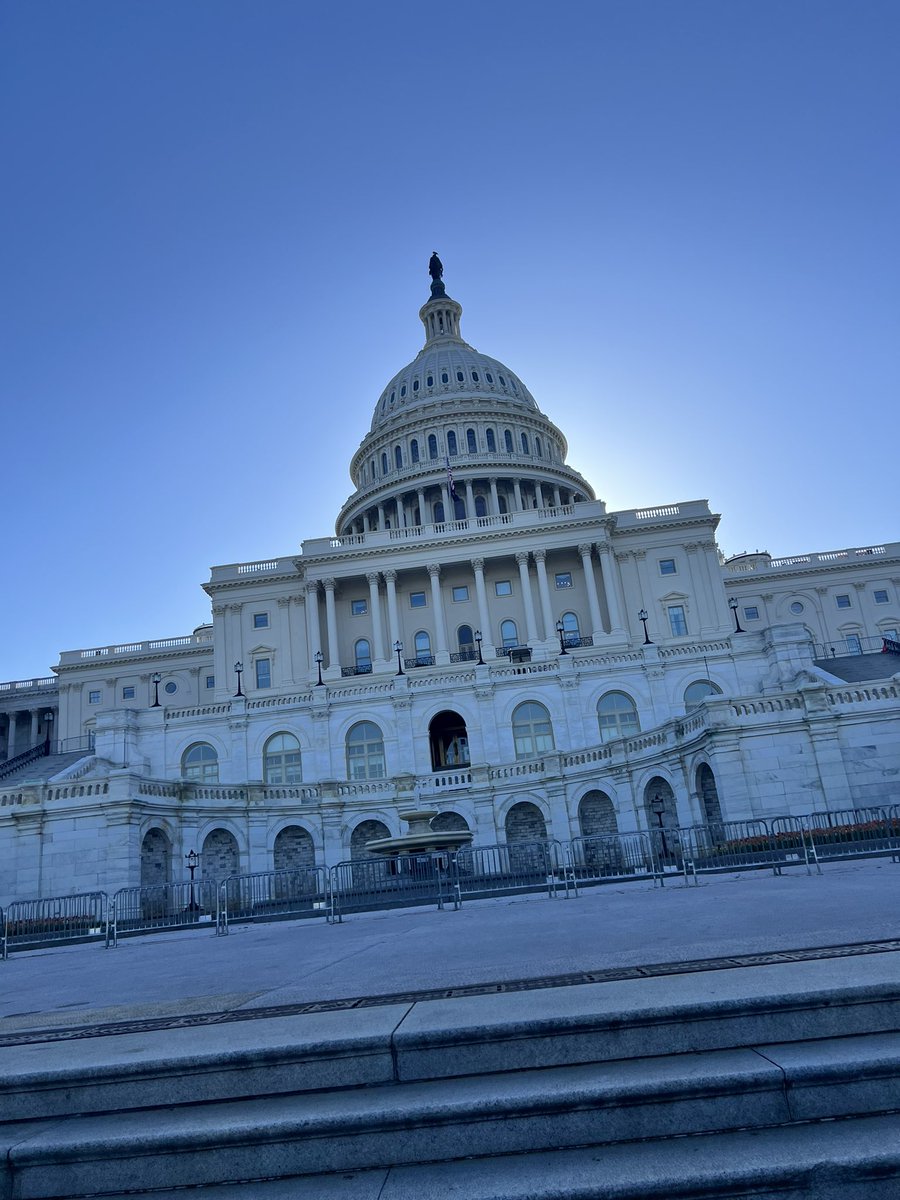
{"x":450,"y":484}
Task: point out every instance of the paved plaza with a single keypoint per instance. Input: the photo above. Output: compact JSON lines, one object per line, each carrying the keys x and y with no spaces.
{"x":491,"y":941}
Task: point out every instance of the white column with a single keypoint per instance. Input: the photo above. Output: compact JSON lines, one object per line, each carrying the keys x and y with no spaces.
{"x":313,"y":632}
{"x":495,"y":499}
{"x":540,"y":557}
{"x":556,"y":497}
{"x":539,"y":492}
{"x":11,"y":736}
{"x":525,"y":581}
{"x":380,"y":517}
{"x":299,"y":636}
{"x":390,"y":580}
{"x":470,"y":499}
{"x":220,"y":661}
{"x":648,"y":600}
{"x":375,"y":608}
{"x":518,"y":492}
{"x":487,"y":645}
{"x":34,"y":726}
{"x":700,"y":586}
{"x":365,"y":520}
{"x":609,"y":575}
{"x":286,"y":654}
{"x":449,"y":514}
{"x":440,"y":626}
{"x":584,"y":550}
{"x":423,"y":516}
{"x":401,"y":520}
{"x":235,"y":638}
{"x":334,"y":659}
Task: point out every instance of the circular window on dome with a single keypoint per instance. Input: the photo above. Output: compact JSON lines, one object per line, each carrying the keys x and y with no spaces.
{"x":460,"y":376}
{"x":429,"y":382}
{"x":489,"y":377}
{"x":171,"y":687}
{"x":502,"y":381}
{"x":474,"y":376}
{"x":445,"y":378}
{"x":415,"y":385}
{"x":403,"y":391}
{"x":796,"y":608}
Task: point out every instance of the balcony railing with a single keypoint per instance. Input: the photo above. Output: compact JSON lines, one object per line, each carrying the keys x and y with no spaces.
{"x":361,"y":669}
{"x":463,"y":656}
{"x":849,"y":647}
{"x":421,"y":660}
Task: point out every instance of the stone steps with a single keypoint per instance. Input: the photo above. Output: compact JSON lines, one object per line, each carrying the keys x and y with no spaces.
{"x":406,"y":1087}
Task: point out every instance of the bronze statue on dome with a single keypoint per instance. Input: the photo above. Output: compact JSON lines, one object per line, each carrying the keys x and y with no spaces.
{"x":435,"y":267}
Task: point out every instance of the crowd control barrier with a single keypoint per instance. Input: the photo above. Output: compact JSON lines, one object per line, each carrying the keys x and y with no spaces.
{"x":164,"y":906}
{"x":54,"y":920}
{"x":273,"y":895}
{"x":375,"y":883}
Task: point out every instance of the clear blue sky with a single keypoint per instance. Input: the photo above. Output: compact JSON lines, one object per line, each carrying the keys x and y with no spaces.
{"x":678,"y":222}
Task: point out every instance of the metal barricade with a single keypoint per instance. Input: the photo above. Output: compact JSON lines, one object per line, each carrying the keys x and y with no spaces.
{"x":855,"y":832}
{"x":742,"y":846}
{"x":606,"y":858}
{"x":365,"y":884}
{"x":483,"y":871}
{"x":55,"y":920}
{"x":273,"y":895}
{"x":164,"y":906}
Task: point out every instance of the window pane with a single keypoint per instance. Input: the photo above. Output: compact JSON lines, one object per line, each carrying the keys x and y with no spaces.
{"x":263,"y":673}
{"x":677,"y":620}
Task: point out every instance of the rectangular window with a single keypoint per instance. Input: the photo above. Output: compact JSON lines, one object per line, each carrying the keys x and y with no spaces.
{"x":127,"y":693}
{"x":564,"y":579}
{"x":842,"y":601}
{"x":416,"y":599}
{"x":94,"y":697}
{"x":263,"y":673}
{"x":751,"y":613}
{"x":260,"y":620}
{"x":880,"y":596}
{"x":461,"y":592}
{"x":502,"y":587}
{"x":359,"y":608}
{"x":854,"y":645}
{"x":667,"y":566}
{"x":210,"y":681}
{"x":677,"y":621}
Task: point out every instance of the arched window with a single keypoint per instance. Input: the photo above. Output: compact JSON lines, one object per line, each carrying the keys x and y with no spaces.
{"x":525,"y":449}
{"x":480,"y":506}
{"x":537,"y":447}
{"x":423,"y":648}
{"x":438,"y":511}
{"x":281,"y":759}
{"x":365,"y":752}
{"x":432,"y":446}
{"x":414,"y":451}
{"x":697,"y":691}
{"x":200,"y":763}
{"x":451,"y":442}
{"x":219,"y":855}
{"x":471,"y":444}
{"x":491,"y":440}
{"x":570,"y":631}
{"x":398,"y":457}
{"x":532,"y":730}
{"x":466,"y":642}
{"x":509,"y":635}
{"x":507,"y":440}
{"x":384,"y":464}
{"x":156,"y":858}
{"x":617,"y":716}
{"x":459,"y":509}
{"x":448,"y":740}
{"x":708,"y":794}
{"x":362,"y":656}
{"x":501,"y":503}
{"x":367,"y":831}
{"x":293,"y":851}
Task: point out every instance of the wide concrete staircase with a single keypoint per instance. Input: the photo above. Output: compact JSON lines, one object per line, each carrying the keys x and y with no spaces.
{"x":780,"y":1080}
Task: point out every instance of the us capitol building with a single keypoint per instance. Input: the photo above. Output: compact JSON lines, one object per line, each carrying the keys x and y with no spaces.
{"x":480,"y":636}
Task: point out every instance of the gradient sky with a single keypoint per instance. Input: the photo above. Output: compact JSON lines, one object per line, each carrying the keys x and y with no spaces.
{"x":676,"y":221}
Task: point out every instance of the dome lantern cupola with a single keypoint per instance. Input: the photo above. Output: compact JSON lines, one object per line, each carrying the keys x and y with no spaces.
{"x":440,"y":315}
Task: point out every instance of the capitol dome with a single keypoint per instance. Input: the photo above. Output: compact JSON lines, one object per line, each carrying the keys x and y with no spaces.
{"x":454,"y":406}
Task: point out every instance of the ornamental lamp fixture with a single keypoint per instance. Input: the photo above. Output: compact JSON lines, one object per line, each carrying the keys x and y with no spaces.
{"x":238,"y":670}
{"x":478,"y":644}
{"x":733,"y":605}
{"x":642,"y":617}
{"x":398,"y":650}
{"x":319,"y":659}
{"x":157,"y":679}
{"x":560,"y":629}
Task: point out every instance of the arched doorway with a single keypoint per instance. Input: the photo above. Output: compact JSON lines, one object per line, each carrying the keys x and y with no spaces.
{"x":709,"y":795}
{"x":366,"y":831}
{"x":596,"y":815}
{"x":219,"y":857}
{"x":448,"y":740}
{"x":525,"y":823}
{"x":294,"y":850}
{"x":156,"y":858}
{"x":449,"y":822}
{"x":662,"y":817}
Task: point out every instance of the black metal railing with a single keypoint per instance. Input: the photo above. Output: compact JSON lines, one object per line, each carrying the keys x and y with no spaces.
{"x":572,"y":641}
{"x":459,"y":656}
{"x":848,"y":647}
{"x":22,"y":760}
{"x":361,"y":669}
{"x":421,"y":660}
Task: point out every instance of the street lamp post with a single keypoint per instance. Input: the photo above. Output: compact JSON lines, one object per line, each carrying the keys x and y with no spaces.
{"x":733,"y":605}
{"x":478,"y":644}
{"x":192,"y":858}
{"x":560,"y":629}
{"x":48,"y":721}
{"x":398,"y":649}
{"x":238,"y":670}
{"x":642,"y":617}
{"x":157,"y":679}
{"x":320,"y":658}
